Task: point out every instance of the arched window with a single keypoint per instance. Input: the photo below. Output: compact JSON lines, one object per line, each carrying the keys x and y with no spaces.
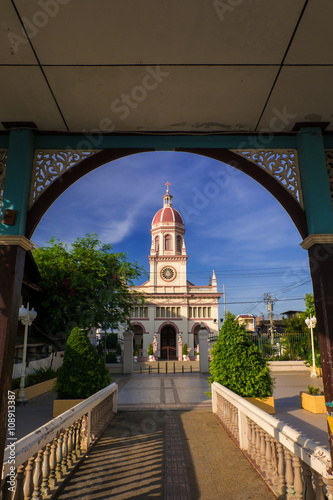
{"x":179,"y":244}
{"x":167,"y":242}
{"x":157,"y":244}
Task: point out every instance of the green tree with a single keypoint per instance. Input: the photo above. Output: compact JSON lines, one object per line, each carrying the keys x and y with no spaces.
{"x":83,"y":371}
{"x":296,"y":324}
{"x":238,"y":364}
{"x":84,"y":285}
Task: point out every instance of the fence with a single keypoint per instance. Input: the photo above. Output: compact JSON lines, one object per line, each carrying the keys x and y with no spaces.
{"x":44,"y":458}
{"x":290,"y":463}
{"x":292,"y":346}
{"x":53,"y":361}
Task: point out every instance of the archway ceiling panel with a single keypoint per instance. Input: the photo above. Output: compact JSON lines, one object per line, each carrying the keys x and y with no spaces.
{"x":232,"y":70}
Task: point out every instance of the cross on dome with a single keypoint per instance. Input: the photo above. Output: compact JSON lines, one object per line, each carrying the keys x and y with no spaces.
{"x":167,"y":198}
{"x":167,"y":185}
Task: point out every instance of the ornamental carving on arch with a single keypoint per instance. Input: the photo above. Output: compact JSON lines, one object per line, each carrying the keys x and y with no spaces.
{"x":3,"y":163}
{"x":51,"y":164}
{"x":282,"y":164}
{"x":329,"y":165}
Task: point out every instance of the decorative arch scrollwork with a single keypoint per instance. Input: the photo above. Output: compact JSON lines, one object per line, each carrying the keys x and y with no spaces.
{"x":51,"y":164}
{"x":329,"y":165}
{"x":3,"y":164}
{"x":282,"y":164}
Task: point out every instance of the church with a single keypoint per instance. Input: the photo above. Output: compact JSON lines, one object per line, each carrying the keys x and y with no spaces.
{"x":173,"y":306}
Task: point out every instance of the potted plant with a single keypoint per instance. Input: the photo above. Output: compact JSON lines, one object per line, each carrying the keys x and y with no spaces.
{"x":313,"y":400}
{"x":136,"y":352}
{"x":184,"y":352}
{"x":150,"y":352}
{"x":238,"y":364}
{"x":82,"y":373}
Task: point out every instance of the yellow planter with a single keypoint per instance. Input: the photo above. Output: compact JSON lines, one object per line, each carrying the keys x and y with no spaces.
{"x":36,"y":390}
{"x":319,"y":371}
{"x":266,"y":404}
{"x":315,"y":404}
{"x":62,"y":405}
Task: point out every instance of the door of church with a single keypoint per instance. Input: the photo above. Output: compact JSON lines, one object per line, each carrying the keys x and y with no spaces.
{"x":168,"y":343}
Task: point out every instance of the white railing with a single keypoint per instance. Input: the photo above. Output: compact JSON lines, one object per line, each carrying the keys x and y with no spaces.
{"x":291,"y":464}
{"x":43,"y":459}
{"x":53,"y":361}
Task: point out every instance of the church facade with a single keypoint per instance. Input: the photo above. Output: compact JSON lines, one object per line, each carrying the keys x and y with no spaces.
{"x":173,"y":306}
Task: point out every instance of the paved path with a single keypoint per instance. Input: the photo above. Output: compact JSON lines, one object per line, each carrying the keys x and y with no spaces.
{"x":164,"y":454}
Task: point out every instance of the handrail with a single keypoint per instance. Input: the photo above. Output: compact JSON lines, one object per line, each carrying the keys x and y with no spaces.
{"x":275,"y":448}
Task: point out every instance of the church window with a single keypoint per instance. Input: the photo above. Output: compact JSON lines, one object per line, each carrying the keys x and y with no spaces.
{"x":167,"y":242}
{"x":168,"y":312}
{"x":178,"y":312}
{"x":157,"y":244}
{"x":158,"y":314}
{"x":179,"y":244}
{"x":199,"y":312}
{"x":173,"y":312}
{"x":209,"y":312}
{"x":194,"y":312}
{"x":203,"y":312}
{"x":162,"y":312}
{"x":190,"y":312}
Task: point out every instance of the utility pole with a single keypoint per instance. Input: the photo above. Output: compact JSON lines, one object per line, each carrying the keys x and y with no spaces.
{"x":269,"y":306}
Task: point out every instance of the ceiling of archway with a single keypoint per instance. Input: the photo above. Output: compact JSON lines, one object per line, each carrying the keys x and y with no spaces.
{"x":166,"y":66}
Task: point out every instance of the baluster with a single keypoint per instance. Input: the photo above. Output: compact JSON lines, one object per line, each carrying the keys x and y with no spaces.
{"x":275,"y":474}
{"x":70,"y":447}
{"x":53,"y":464}
{"x":262,"y":459}
{"x":64,"y":463}
{"x":289,"y":475}
{"x":253,"y":439}
{"x":78,"y":438}
{"x":18,"y":495}
{"x":59,"y":457}
{"x":37,"y":478}
{"x":257,"y":457}
{"x":298,"y":483}
{"x":281,"y":469}
{"x":28,"y":484}
{"x":74,"y":457}
{"x":307,"y":478}
{"x":319,"y":485}
{"x":249,"y":437}
{"x":269,"y":469}
{"x":84,"y":434}
{"x":329,"y":487}
{"x":46,"y":470}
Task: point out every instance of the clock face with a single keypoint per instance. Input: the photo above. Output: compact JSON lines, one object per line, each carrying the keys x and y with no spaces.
{"x":168,"y":273}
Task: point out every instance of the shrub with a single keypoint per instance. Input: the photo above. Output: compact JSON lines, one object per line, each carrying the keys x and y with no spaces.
{"x":184,"y":351}
{"x":238,"y":364}
{"x":315,"y":391}
{"x":150,"y":350}
{"x":39,"y":375}
{"x":136,"y":350}
{"x":111,"y":357}
{"x":83,"y":371}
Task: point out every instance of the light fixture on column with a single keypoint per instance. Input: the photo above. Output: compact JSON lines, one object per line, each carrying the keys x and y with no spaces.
{"x":311,"y":323}
{"x":26,"y":317}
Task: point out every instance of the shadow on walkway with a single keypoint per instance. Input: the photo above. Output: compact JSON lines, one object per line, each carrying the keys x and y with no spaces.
{"x":165,"y":454}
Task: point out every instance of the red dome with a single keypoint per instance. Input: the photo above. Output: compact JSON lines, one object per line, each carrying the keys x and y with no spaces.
{"x":167,"y":214}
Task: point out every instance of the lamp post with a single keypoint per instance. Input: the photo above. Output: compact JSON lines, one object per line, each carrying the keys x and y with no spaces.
{"x":26,"y":317}
{"x":311,"y":323}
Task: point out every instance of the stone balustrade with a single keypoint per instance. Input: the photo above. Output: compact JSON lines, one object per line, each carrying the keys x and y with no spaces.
{"x":292,"y":465}
{"x":46,"y":457}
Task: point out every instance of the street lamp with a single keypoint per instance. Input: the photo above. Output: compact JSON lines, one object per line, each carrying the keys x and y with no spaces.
{"x":26,"y":317}
{"x":311,"y":323}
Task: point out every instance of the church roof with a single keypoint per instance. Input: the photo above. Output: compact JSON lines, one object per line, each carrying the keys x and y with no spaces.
{"x":167,"y":214}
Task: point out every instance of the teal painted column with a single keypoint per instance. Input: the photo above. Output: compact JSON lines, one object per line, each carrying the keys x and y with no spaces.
{"x":18,"y":179}
{"x":314,"y":179}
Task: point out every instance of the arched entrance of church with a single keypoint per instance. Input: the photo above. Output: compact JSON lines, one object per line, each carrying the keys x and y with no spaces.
{"x":168,"y":343}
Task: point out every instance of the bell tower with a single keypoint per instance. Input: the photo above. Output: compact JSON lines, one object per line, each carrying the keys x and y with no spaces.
{"x":168,"y":257}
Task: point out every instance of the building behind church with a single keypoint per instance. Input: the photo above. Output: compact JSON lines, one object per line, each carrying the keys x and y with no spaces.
{"x":173,"y":305}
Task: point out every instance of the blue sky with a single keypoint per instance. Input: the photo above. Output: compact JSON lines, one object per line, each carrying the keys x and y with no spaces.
{"x":233,"y":225}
